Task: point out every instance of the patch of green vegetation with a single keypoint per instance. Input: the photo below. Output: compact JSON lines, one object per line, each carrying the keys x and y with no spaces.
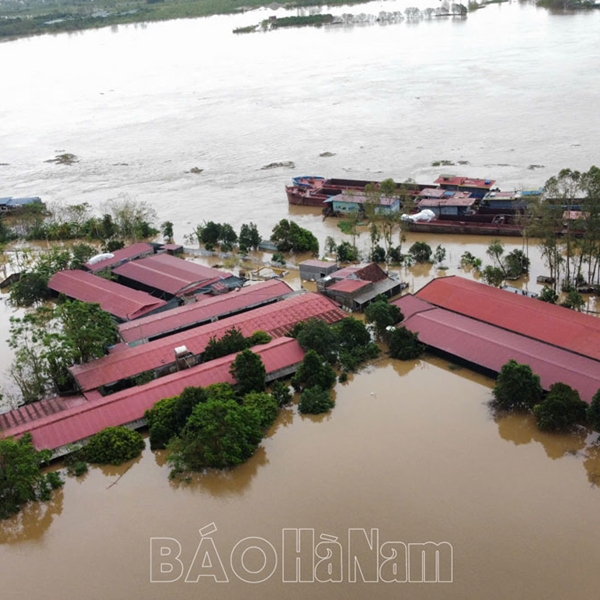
{"x":66,"y":158}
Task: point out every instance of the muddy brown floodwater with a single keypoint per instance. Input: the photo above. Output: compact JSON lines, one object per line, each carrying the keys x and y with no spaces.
{"x":411,"y":451}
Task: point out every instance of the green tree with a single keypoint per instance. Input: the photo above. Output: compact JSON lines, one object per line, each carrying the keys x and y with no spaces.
{"x":496,"y":251}
{"x":162,"y":423}
{"x":561,"y":409}
{"x":218,"y":434}
{"x":166,"y":230}
{"x":517,"y":387}
{"x":227,"y":237}
{"x":593,"y":412}
{"x":574,"y":300}
{"x":346,"y":252}
{"x":30,"y":289}
{"x":352,"y":333}
{"x":249,"y":237}
{"x":355,"y":345}
{"x":548,"y":295}
{"x":290,"y":237}
{"x":210,"y":234}
{"x":315,"y":400}
{"x":378,"y":254}
{"x":249,"y":372}
{"x":113,"y":446}
{"x":88,"y":329}
{"x":420,"y":252}
{"x":493,"y":275}
{"x":404,"y":344}
{"x":281,"y":392}
{"x":21,"y":479}
{"x":439,"y":256}
{"x":516,"y":264}
{"x":330,"y":245}
{"x":80,"y":254}
{"x":133,"y":219}
{"x":231,"y":342}
{"x":469,"y":261}
{"x":382,"y":314}
{"x":314,"y":334}
{"x":113,"y":245}
{"x":264,"y":405}
{"x":313,"y":372}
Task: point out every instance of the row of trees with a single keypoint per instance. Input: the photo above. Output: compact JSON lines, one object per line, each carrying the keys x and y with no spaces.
{"x":518,"y":389}
{"x":123,"y":219}
{"x":287,"y":235}
{"x":47,"y":341}
{"x":221,"y":425}
{"x":570,"y":246}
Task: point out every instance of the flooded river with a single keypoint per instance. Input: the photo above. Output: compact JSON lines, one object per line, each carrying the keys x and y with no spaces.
{"x":411,"y":450}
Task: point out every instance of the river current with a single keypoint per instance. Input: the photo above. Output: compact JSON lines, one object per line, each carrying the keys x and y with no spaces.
{"x":411,"y":450}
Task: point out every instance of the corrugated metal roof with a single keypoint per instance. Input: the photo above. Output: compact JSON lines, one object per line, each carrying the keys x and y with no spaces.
{"x":169,"y":273}
{"x":368,"y":272}
{"x":492,"y":347}
{"x":37,"y":410}
{"x":313,"y":262}
{"x":348,"y":285}
{"x":116,"y":299}
{"x":122,"y":255}
{"x":464,"y":181}
{"x":82,"y":421}
{"x":455,"y":199}
{"x":276,"y":319}
{"x":549,"y":323}
{"x":204,"y":310}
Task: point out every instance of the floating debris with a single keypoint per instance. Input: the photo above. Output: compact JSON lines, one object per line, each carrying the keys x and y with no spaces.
{"x":533,"y":167}
{"x":287,"y":164}
{"x":326,"y":154}
{"x":65,"y":158}
{"x":195,"y":170}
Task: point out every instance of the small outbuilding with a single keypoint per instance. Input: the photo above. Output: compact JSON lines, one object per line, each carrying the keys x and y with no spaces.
{"x":313,"y":270}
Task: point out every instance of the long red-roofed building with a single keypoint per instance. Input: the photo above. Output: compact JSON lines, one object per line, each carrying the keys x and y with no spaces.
{"x":168,"y":274}
{"x":529,"y":317}
{"x":489,"y":347}
{"x":203,"y":310}
{"x":119,"y":257}
{"x":275,"y":319}
{"x":118,"y":300}
{"x":281,"y":357}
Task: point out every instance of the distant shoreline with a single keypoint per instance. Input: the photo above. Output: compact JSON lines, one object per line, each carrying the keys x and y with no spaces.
{"x":37,"y":18}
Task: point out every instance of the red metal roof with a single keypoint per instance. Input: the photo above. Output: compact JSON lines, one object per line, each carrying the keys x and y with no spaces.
{"x":204,"y":310}
{"x":370,"y":272}
{"x":84,"y":420}
{"x":37,"y":410}
{"x":116,"y":299}
{"x":348,"y":285}
{"x":313,"y":262}
{"x":121,"y":256}
{"x":169,"y":273}
{"x":464,"y":181}
{"x":276,"y":319}
{"x":546,"y":322}
{"x":492,"y":347}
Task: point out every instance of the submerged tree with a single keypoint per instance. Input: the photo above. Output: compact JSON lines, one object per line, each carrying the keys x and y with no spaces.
{"x":517,"y":387}
{"x":21,"y":479}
